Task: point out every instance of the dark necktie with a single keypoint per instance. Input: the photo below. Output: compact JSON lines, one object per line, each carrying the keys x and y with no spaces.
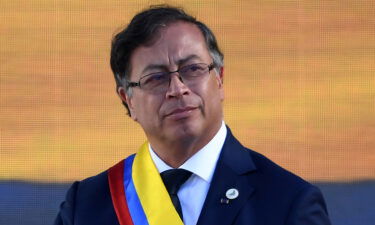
{"x":173,"y":179}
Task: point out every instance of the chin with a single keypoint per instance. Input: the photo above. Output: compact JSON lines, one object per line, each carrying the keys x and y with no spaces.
{"x":186,"y":129}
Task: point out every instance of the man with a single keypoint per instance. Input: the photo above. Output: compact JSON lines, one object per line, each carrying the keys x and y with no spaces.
{"x":169,"y":74}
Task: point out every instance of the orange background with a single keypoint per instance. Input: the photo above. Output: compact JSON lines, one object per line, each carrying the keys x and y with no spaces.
{"x":299,"y":82}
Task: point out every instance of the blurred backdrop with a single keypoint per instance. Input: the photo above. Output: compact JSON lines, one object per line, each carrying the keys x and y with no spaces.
{"x":299,"y":83}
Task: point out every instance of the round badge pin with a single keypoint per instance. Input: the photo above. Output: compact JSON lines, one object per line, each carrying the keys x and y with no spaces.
{"x":232,"y":193}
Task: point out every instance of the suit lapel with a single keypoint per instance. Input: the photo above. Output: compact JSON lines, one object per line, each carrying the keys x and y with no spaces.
{"x":231,"y":171}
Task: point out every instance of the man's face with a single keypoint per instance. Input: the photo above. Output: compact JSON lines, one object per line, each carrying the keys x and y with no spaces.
{"x":182,"y":112}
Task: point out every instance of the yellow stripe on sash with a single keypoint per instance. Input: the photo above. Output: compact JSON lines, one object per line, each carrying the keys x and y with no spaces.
{"x":151,"y":191}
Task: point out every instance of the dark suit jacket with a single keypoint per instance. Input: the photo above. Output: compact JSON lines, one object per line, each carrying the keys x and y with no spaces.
{"x":268,"y":195}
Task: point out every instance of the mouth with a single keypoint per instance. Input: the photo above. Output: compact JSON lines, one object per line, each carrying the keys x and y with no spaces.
{"x":180,"y":113}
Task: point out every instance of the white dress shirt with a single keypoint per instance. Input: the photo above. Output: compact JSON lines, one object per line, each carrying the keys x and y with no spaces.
{"x":202,"y":164}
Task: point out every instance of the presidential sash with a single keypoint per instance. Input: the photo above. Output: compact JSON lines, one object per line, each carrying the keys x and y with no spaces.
{"x":138,"y":193}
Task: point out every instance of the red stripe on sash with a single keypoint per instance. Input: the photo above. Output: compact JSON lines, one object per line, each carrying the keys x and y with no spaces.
{"x":116,"y":186}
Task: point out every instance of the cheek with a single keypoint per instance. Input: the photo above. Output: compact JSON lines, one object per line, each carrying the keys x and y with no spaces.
{"x":146,"y":106}
{"x":213,"y":89}
{"x":215,"y":95}
{"x":210,"y":95}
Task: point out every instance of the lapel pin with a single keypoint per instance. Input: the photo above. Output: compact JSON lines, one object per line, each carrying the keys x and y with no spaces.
{"x":232,"y":193}
{"x":224,"y":201}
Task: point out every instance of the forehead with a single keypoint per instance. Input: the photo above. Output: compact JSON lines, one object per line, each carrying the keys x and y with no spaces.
{"x":173,"y":44}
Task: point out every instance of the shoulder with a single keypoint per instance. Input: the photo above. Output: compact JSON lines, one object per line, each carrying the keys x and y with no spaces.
{"x":262,"y":171}
{"x":275,"y":179}
{"x":82,"y":198}
{"x":86,"y":198}
{"x":90,"y":191}
{"x":87,"y":187}
{"x":288,"y":196}
{"x":100,"y":182}
{"x":269,"y":170}
{"x":91,"y":185}
{"x":300,"y":201}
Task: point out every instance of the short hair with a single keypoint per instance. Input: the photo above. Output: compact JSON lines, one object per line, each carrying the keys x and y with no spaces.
{"x":141,"y":32}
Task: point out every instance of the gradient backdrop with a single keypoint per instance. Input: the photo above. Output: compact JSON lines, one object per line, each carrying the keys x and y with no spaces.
{"x":299,"y":83}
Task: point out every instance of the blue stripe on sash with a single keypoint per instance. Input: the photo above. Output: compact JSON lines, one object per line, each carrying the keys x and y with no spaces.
{"x":134,"y":204}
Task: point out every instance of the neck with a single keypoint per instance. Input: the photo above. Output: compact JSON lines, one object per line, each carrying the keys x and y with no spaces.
{"x":176,"y":152}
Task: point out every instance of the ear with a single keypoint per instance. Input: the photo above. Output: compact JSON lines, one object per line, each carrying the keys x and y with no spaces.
{"x":128,"y":100}
{"x":220,"y":80}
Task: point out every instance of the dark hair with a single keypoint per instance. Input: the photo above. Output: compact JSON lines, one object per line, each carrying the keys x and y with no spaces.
{"x":143,"y":30}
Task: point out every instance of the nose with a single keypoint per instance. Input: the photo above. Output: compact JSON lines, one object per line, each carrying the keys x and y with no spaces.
{"x":177,"y":88}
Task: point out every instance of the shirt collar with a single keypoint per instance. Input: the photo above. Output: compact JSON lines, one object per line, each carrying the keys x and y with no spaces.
{"x":203,"y":162}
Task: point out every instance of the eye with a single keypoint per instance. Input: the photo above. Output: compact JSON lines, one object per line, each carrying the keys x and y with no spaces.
{"x":154,"y":79}
{"x":195,"y":67}
{"x":193,"y":70}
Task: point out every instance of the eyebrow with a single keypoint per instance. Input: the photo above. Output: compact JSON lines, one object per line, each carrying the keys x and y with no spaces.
{"x":163,"y":66}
